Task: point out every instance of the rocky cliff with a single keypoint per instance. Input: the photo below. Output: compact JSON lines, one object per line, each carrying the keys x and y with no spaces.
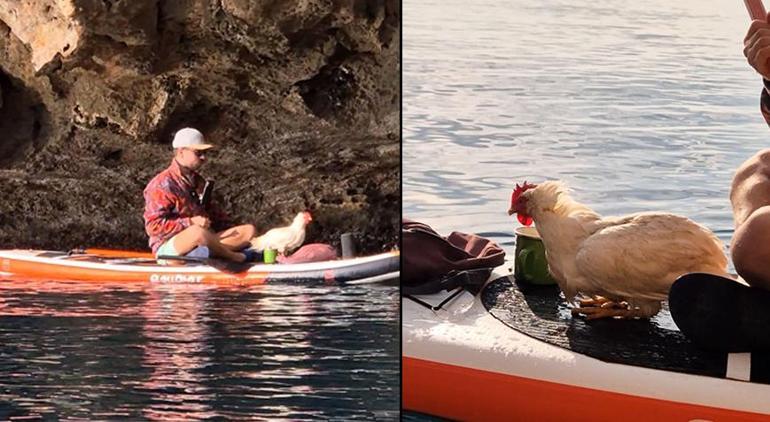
{"x":300,"y":96}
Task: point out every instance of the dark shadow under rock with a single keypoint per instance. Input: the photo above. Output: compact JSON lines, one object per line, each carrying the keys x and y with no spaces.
{"x":24,"y":120}
{"x":326,"y":93}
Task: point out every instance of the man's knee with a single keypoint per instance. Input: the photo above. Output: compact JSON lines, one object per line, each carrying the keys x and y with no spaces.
{"x":200,"y":236}
{"x":758,"y":163}
{"x":751,"y":251}
{"x":762,"y":157}
{"x":249,"y":231}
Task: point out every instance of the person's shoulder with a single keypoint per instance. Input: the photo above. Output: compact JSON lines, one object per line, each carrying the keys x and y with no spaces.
{"x":163,"y":174}
{"x":160,"y":180}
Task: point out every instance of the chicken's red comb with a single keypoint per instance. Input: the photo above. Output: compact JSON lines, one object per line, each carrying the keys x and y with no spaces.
{"x":521,"y":189}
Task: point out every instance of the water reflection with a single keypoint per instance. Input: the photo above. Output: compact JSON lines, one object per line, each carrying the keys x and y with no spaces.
{"x":165,"y":352}
{"x":175,"y":350}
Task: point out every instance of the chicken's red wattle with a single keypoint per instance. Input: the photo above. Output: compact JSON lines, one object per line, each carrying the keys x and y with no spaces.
{"x":524,"y":219}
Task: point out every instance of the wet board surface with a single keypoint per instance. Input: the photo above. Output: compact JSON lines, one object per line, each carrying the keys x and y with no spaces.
{"x":541,"y":312}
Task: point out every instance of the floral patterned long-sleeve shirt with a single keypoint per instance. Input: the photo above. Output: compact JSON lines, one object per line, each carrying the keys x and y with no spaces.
{"x":171,"y":200}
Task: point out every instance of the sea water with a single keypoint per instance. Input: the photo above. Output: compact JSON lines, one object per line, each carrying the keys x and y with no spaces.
{"x":636,"y":105}
{"x":90,"y":351}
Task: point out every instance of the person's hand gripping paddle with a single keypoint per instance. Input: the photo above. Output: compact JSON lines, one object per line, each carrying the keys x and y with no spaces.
{"x":756,"y":44}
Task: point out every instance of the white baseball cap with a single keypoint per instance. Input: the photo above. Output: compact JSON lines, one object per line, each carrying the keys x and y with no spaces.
{"x":190,"y":138}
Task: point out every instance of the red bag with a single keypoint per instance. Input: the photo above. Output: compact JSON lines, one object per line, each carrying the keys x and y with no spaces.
{"x":313,"y":252}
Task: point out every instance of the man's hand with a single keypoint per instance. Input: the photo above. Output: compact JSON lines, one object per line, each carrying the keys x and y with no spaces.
{"x":756,"y":47}
{"x":201,"y":221}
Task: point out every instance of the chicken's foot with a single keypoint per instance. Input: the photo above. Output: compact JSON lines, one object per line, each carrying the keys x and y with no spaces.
{"x":600,"y":307}
{"x":601,"y":301}
{"x":609,"y":309}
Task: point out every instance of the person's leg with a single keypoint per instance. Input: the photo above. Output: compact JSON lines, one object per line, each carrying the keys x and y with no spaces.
{"x":750,"y":198}
{"x":750,"y":188}
{"x":238,"y":237}
{"x":194,"y":236}
{"x":167,"y":249}
{"x":751,"y":249}
{"x":717,"y":313}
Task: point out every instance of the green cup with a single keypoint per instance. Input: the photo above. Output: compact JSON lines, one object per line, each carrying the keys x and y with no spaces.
{"x":530,"y":265}
{"x":268,"y":256}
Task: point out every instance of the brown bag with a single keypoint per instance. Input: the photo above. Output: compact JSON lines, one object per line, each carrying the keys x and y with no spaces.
{"x":431,"y":263}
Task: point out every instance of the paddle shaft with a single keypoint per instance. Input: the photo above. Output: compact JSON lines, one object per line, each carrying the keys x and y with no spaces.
{"x":756,"y":9}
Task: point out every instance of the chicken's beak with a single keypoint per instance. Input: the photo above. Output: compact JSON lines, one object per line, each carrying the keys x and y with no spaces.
{"x":511,"y":211}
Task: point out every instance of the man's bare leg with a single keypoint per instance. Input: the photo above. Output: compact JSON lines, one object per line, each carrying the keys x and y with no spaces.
{"x":195,"y":236}
{"x":238,"y":237}
{"x":750,"y":198}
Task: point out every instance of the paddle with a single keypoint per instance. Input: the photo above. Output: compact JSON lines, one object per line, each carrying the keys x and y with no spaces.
{"x":145,"y":257}
{"x":206,"y":195}
{"x":756,"y":9}
{"x":223,"y":265}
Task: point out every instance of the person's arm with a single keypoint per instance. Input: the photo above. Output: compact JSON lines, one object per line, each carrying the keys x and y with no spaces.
{"x":158,"y":214}
{"x":756,"y":48}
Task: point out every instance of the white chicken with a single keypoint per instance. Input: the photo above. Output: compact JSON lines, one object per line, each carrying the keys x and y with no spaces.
{"x":627,"y":264}
{"x":284,"y":239}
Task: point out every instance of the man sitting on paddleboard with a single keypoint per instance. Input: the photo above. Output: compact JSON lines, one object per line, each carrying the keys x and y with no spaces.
{"x":716,"y":312}
{"x":174,"y":217}
{"x":750,"y":193}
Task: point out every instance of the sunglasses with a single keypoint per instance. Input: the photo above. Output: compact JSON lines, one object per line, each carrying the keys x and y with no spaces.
{"x":198,"y":152}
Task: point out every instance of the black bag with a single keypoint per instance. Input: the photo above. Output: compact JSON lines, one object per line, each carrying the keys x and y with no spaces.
{"x":431,"y":263}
